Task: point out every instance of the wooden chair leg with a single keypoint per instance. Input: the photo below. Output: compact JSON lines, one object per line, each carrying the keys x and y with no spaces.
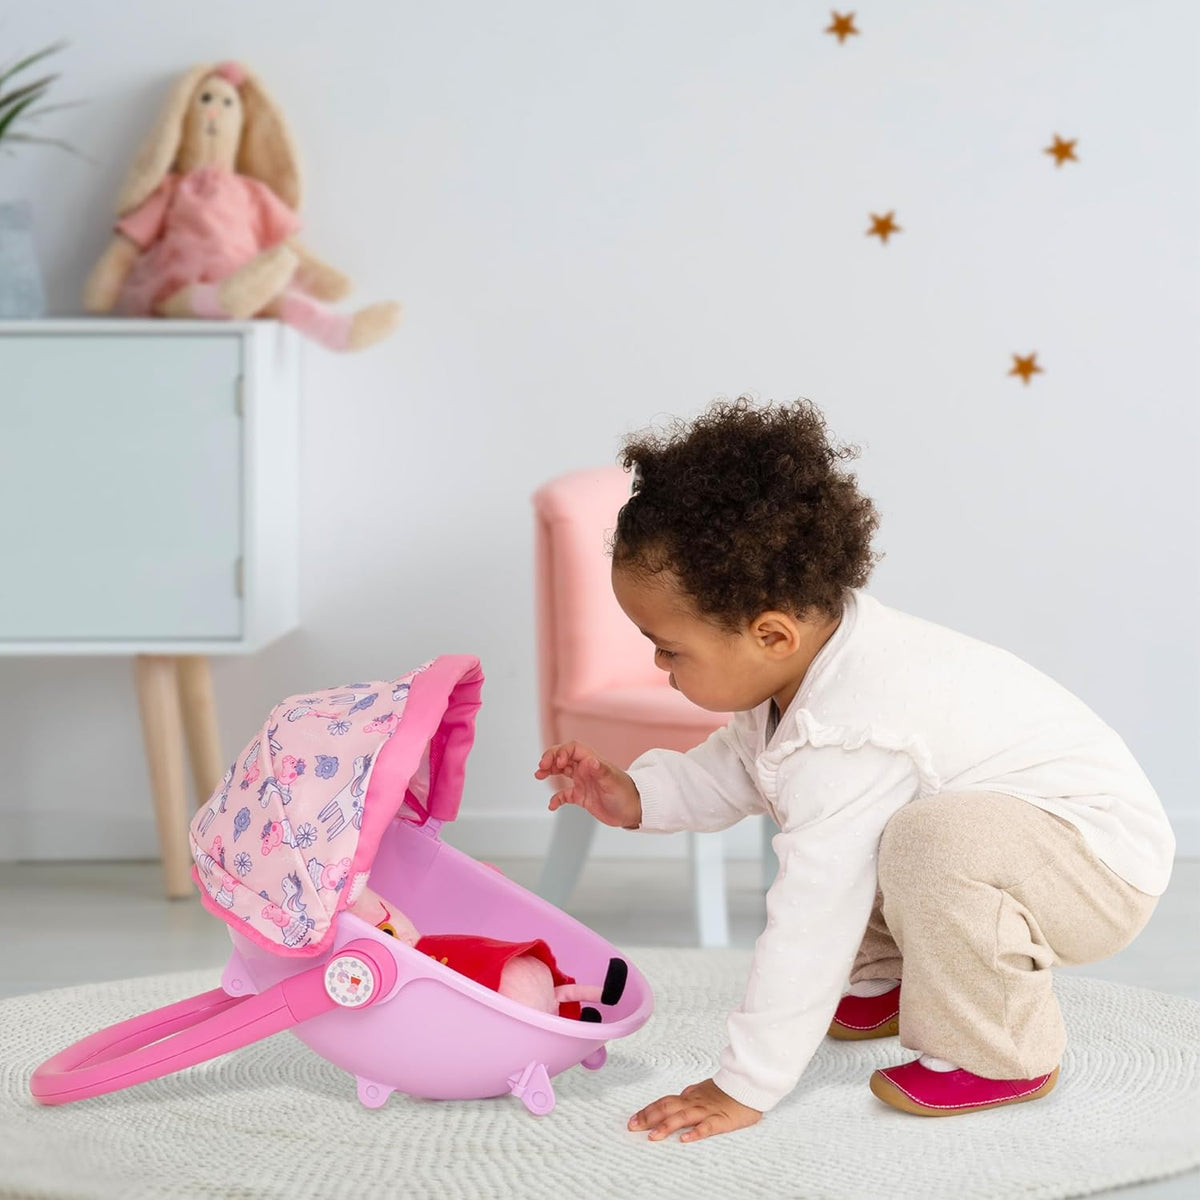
{"x":162,"y":728}
{"x":199,"y":707}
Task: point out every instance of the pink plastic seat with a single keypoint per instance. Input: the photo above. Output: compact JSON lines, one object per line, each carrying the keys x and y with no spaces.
{"x":597,"y":680}
{"x":369,"y":772}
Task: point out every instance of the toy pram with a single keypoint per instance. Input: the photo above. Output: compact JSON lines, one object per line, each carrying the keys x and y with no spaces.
{"x":340,"y":786}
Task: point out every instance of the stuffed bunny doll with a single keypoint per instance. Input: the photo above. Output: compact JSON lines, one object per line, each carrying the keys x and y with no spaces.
{"x":522,"y":971}
{"x":207,"y":221}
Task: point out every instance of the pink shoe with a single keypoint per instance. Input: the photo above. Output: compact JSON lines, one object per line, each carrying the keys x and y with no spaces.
{"x":860,"y":1017}
{"x":916,"y":1089}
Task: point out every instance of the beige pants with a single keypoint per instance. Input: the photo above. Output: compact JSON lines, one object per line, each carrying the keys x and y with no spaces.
{"x":979,"y":895}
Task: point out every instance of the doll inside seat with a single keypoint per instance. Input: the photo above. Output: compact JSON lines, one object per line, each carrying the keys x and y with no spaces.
{"x":447,"y":895}
{"x":471,"y":918}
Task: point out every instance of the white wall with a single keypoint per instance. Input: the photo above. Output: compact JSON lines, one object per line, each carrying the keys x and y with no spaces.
{"x":600,"y":213}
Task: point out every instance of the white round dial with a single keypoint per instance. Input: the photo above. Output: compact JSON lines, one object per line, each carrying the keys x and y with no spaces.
{"x":349,"y":981}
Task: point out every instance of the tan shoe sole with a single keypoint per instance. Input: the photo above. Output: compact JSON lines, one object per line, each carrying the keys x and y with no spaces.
{"x":844,"y":1033}
{"x":889,"y":1093}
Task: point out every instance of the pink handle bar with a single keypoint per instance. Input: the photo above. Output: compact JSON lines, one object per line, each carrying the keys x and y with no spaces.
{"x":194,"y":1030}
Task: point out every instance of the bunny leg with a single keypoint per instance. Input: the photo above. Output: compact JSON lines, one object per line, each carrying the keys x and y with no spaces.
{"x":372,"y":324}
{"x":337,"y":331}
{"x":317,"y":278}
{"x":238,"y":296}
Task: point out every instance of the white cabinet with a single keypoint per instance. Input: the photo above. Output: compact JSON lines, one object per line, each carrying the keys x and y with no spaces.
{"x":148,"y":488}
{"x":148,"y":507}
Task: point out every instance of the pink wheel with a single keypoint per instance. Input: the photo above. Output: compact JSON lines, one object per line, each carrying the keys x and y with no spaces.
{"x":596,"y":1059}
{"x":538,"y":1102}
{"x":534,"y":1089}
{"x":372,"y":1094}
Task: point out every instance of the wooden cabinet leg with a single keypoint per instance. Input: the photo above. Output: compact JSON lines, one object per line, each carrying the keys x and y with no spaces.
{"x":200,"y":724}
{"x":162,"y":728}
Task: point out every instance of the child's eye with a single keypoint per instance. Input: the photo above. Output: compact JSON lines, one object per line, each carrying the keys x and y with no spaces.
{"x":659,"y":652}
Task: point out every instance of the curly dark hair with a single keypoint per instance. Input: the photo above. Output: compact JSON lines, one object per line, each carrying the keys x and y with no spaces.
{"x":747,"y":507}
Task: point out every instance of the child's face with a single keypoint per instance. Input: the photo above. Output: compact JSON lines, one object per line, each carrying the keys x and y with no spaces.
{"x":715,"y":669}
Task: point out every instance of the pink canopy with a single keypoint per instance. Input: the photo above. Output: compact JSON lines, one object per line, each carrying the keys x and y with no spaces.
{"x":287,"y":841}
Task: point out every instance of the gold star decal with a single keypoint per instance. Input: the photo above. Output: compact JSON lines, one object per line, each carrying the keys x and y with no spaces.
{"x":1063,"y":151}
{"x":883,"y":226}
{"x":843,"y":27}
{"x":1025,"y":367}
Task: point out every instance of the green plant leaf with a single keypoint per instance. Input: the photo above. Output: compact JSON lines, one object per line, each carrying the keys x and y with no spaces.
{"x":33,"y":114}
{"x":28,"y":62}
{"x":18,"y":101}
{"x":36,"y":90}
{"x":28,"y":138}
{"x":14,"y":113}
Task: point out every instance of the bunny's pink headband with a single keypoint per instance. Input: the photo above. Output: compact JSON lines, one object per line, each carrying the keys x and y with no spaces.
{"x":235,"y":73}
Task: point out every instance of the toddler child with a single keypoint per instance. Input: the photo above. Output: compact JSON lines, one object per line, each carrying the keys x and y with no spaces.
{"x":952,"y":823}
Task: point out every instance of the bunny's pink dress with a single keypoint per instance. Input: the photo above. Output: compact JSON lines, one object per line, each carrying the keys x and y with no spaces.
{"x":199,"y":228}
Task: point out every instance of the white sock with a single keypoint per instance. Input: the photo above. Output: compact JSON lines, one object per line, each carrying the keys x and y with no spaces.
{"x":872,"y":987}
{"x":936,"y":1064}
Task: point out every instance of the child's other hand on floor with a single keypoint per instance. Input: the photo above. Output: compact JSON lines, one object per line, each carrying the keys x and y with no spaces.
{"x":702,"y":1109}
{"x":605,"y":791}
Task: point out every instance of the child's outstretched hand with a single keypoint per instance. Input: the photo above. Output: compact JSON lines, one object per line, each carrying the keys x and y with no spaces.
{"x":702,"y":1109}
{"x":605,"y":791}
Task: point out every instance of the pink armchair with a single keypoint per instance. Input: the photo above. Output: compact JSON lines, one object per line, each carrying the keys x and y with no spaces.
{"x":598,"y":682}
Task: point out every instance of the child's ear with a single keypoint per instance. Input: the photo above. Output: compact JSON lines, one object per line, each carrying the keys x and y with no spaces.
{"x":777,"y":632}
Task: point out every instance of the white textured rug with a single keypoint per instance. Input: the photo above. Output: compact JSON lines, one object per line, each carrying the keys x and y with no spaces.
{"x":274,"y":1120}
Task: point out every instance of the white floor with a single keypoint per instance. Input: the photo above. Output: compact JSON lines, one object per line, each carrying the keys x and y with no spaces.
{"x":68,"y":923}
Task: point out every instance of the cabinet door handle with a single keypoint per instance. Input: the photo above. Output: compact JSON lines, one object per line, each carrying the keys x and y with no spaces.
{"x":239,"y":577}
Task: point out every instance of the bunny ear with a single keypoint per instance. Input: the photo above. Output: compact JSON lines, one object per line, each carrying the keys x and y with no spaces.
{"x":267,"y":152}
{"x":158,"y":151}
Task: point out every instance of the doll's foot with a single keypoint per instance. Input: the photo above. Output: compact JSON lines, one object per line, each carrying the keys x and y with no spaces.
{"x":614,"y":981}
{"x":372,"y":324}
